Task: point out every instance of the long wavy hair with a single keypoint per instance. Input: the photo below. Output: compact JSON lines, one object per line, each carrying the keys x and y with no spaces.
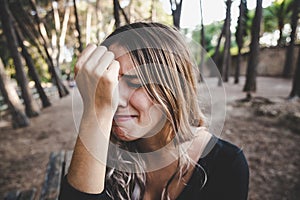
{"x":164,"y":65}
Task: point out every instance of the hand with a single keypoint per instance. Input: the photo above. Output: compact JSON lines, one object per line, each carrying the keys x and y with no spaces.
{"x":96,"y":74}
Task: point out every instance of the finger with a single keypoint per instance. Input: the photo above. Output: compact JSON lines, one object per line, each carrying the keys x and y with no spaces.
{"x":113,"y":69}
{"x":84,"y":56}
{"x":94,"y":58}
{"x":104,"y":62}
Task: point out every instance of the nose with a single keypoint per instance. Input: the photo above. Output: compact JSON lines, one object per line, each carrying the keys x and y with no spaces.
{"x":124,"y":93}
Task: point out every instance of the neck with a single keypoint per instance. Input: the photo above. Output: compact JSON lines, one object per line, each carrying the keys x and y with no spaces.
{"x":157,"y":141}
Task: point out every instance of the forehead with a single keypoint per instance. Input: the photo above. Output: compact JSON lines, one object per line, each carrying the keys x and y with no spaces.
{"x":122,"y":55}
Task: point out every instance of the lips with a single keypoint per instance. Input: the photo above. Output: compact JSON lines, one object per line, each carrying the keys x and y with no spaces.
{"x":123,"y":118}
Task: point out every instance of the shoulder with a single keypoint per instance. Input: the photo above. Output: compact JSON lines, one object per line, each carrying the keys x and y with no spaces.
{"x":221,"y":151}
{"x":227,"y":170}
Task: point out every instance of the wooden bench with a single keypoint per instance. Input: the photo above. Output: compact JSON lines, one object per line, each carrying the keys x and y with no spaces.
{"x":56,"y":169}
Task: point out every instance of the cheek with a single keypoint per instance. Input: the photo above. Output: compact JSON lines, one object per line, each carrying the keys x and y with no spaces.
{"x":141,"y":101}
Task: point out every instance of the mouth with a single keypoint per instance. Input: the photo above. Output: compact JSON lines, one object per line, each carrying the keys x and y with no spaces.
{"x":124,"y":118}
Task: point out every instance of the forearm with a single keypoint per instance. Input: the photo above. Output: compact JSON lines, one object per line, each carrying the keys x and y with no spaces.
{"x":88,"y":165}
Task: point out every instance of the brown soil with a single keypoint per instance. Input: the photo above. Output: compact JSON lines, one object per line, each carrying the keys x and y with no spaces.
{"x":267,"y":132}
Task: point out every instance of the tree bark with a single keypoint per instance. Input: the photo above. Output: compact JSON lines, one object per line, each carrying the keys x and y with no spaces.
{"x":250,"y":85}
{"x":281,"y":24}
{"x":227,"y":57}
{"x":11,"y":98}
{"x":239,"y":38}
{"x":80,"y":47}
{"x":62,"y":90}
{"x":31,"y":108}
{"x":176,"y":12}
{"x":202,"y":42}
{"x":290,"y":50}
{"x":295,"y":92}
{"x":217,"y":49}
{"x":31,"y":69}
{"x":117,"y":14}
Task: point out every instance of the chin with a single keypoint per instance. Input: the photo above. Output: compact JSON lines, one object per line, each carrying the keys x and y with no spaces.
{"x":122,"y":135}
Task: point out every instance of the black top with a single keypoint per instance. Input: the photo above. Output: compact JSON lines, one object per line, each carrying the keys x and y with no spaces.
{"x":227,"y":177}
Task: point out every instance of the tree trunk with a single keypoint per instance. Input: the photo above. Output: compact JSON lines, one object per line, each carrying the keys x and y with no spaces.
{"x":63,"y":33}
{"x":31,"y":69}
{"x":62,"y":90}
{"x":123,"y":13}
{"x":116,"y":14}
{"x":296,"y":80}
{"x":217,"y":49}
{"x":80,"y":47}
{"x":290,"y":50}
{"x":31,"y":108}
{"x":11,"y":98}
{"x":239,"y":38}
{"x":227,"y":57}
{"x":202,"y":42}
{"x":250,"y":85}
{"x":281,"y":24}
{"x":55,"y":35}
{"x":176,"y":12}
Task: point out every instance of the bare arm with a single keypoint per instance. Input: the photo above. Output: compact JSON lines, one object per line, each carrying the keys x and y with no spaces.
{"x":97,"y":78}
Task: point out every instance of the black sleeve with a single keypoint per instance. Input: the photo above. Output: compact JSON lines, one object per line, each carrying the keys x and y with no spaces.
{"x":68,"y":192}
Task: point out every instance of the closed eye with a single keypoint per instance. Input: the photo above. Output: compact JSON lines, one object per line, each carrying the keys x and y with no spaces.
{"x":134,"y":84}
{"x":132,"y":81}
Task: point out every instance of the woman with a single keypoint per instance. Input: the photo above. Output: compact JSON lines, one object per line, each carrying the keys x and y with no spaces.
{"x":142,"y":134}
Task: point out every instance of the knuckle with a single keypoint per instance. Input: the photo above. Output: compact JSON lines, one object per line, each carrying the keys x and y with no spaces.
{"x":103,"y":48}
{"x":110,"y":54}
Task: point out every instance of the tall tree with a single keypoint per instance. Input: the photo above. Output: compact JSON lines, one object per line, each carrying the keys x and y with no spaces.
{"x":117,"y":9}
{"x":287,"y":69}
{"x":295,"y":92}
{"x":226,"y":56}
{"x":250,"y":85}
{"x":176,"y":6}
{"x":240,"y":32}
{"x":11,"y":98}
{"x":117,"y":14}
{"x":31,"y":68}
{"x":216,"y":55}
{"x":202,"y":41}
{"x":80,"y":47}
{"x":31,"y":108}
{"x":62,"y":90}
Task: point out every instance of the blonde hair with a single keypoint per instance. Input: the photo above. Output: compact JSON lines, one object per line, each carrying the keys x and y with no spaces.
{"x":164,"y":65}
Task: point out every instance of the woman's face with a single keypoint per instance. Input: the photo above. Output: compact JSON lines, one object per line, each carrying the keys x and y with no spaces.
{"x":137,"y":115}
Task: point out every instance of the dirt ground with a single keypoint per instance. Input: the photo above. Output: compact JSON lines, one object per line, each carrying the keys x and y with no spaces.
{"x":268,"y":132}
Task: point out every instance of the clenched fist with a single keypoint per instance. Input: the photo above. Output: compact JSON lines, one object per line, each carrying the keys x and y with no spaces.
{"x":96,"y":73}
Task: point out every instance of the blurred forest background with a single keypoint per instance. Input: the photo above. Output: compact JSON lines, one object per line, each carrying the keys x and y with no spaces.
{"x":40,"y":41}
